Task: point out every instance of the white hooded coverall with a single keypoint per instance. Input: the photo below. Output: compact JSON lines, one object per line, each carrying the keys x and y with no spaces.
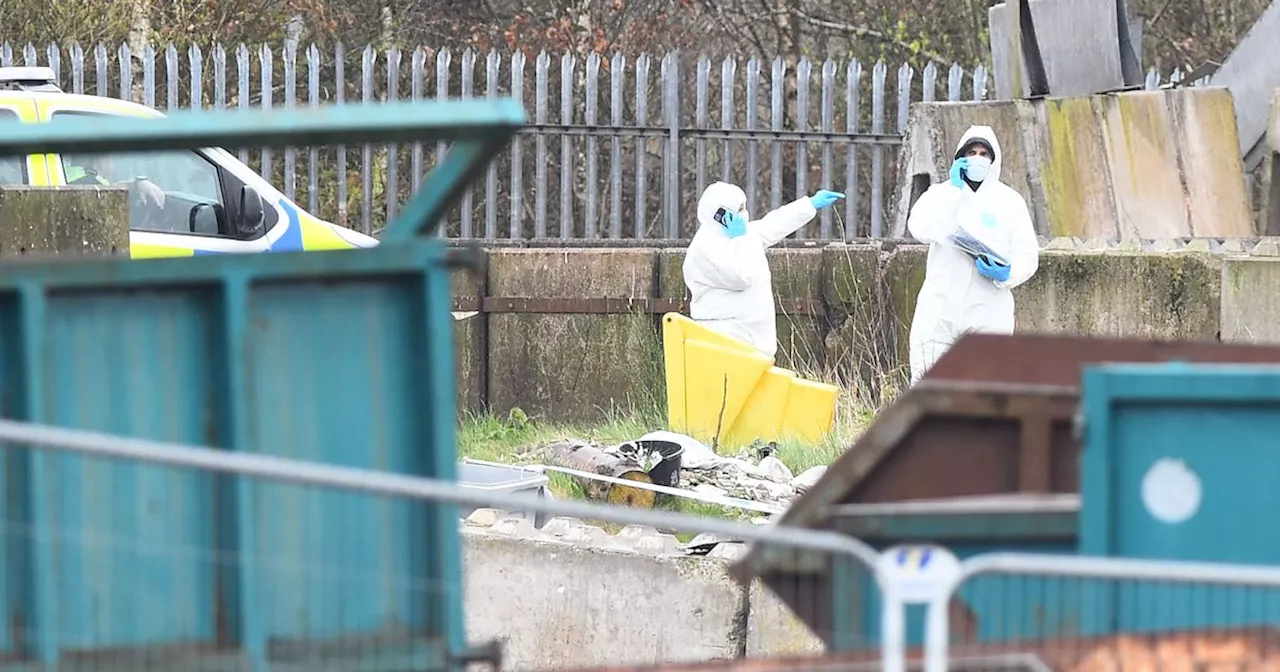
{"x":729,"y":278}
{"x":955,"y":297}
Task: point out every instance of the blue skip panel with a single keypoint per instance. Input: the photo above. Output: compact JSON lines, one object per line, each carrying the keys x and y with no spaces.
{"x":1181,"y":462}
{"x":340,"y":357}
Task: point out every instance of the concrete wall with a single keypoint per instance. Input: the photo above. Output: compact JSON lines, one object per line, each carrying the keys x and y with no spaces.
{"x":571,"y":596}
{"x":1148,"y":164}
{"x":575,"y":367}
{"x":41,"y":221}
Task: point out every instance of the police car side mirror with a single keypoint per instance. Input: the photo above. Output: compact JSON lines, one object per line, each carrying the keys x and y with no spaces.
{"x":208,"y":219}
{"x":251,"y":216}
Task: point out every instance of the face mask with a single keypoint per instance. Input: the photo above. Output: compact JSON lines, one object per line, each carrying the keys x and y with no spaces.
{"x":978,"y":168}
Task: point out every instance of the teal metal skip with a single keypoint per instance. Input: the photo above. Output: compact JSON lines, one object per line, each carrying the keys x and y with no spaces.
{"x":1180,"y":463}
{"x":343,"y":357}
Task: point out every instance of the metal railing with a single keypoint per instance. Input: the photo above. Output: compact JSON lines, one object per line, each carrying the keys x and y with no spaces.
{"x":619,"y":147}
{"x":1180,"y":614}
{"x":1071,"y":612}
{"x":324,"y":601}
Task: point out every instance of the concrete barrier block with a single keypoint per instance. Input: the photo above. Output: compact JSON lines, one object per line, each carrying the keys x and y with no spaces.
{"x":91,"y":221}
{"x":1075,"y":197}
{"x":862,"y":338}
{"x":560,"y":606}
{"x":1250,"y":311}
{"x":1062,"y":243}
{"x":1077,"y":40}
{"x":1236,"y":246}
{"x":773,"y":630}
{"x":1213,"y":174}
{"x":573,"y":367}
{"x":797,"y":276}
{"x":903,"y":277}
{"x":1142,"y":295}
{"x":1147,"y":164}
{"x":1153,"y":245}
{"x":1137,"y":129}
{"x":1211,"y":245}
{"x":469,"y":341}
{"x":671,"y":274}
{"x":1267,"y":247}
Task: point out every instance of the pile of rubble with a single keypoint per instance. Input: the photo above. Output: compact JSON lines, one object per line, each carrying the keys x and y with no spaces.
{"x":767,"y":480}
{"x":754,"y":473}
{"x":754,"y":476}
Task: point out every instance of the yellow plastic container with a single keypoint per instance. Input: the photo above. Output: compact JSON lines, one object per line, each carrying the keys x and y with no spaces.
{"x":724,"y":392}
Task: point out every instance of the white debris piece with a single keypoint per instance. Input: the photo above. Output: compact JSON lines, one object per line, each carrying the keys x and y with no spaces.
{"x":808,"y":478}
{"x":773,"y":469}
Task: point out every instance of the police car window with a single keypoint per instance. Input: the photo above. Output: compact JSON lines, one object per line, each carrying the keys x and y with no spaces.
{"x":182,"y":170}
{"x":13,"y":169}
{"x":182,"y":173}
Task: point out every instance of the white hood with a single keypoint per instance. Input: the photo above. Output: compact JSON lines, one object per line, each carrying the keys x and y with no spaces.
{"x":720,"y":195}
{"x":987,"y":135}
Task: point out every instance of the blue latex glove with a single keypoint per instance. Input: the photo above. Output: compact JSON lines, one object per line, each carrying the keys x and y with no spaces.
{"x":960,"y":164}
{"x":825,"y":199}
{"x":991,"y":270}
{"x":734,"y":224}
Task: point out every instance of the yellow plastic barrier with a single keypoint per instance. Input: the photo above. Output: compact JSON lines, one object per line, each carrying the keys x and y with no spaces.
{"x":724,"y":392}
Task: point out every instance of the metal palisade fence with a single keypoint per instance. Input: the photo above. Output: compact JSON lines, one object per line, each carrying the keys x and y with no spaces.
{"x":619,"y":146}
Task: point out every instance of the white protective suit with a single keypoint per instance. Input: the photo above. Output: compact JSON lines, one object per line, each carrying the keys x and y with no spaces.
{"x":955,"y":297}
{"x":729,"y":278}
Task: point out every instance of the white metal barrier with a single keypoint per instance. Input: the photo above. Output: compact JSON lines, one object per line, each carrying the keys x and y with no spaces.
{"x":937,"y":626}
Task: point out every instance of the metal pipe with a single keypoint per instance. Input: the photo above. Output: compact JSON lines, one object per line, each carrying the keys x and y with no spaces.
{"x":887,"y":244}
{"x":415,"y":487}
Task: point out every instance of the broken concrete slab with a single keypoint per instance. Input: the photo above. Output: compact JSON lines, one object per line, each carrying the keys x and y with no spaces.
{"x":1078,"y":41}
{"x":1144,"y":164}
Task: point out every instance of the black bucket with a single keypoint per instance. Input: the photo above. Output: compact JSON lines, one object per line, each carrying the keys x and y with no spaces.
{"x":667,"y":471}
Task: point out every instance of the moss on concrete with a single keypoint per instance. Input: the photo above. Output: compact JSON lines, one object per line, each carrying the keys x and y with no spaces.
{"x":43,"y":221}
{"x":797,"y":276}
{"x":1136,"y":295}
{"x":1068,"y":122}
{"x":904,"y":269}
{"x":671,"y":275}
{"x":573,"y":367}
{"x":1250,"y":308}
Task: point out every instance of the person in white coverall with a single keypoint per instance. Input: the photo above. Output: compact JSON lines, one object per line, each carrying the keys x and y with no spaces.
{"x":725,"y":267}
{"x":964,"y":293}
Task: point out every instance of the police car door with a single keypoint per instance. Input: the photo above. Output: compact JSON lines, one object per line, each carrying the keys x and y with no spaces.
{"x":194,"y":217}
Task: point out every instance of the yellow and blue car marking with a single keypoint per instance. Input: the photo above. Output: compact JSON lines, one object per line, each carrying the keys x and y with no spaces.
{"x":294,"y":229}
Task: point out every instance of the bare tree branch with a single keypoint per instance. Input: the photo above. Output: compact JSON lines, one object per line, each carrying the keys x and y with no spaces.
{"x":864,"y":31}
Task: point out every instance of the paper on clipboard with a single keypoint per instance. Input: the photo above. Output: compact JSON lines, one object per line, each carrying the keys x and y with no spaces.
{"x":976,"y":248}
